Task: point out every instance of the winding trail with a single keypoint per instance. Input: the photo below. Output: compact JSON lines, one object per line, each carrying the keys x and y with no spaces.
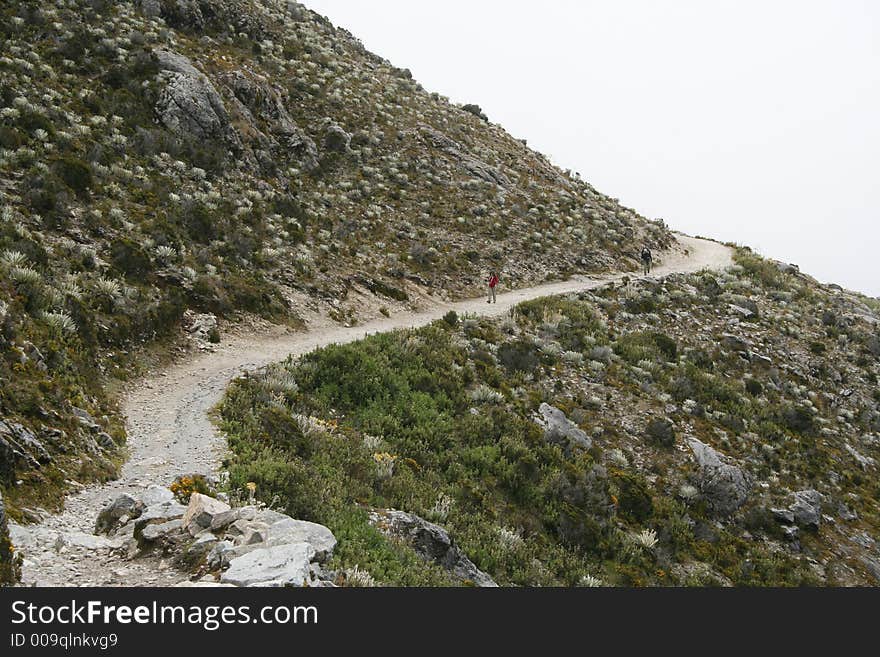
{"x":170,"y":433}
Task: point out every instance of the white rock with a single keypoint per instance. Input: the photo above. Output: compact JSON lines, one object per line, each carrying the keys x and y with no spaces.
{"x":156,"y":495}
{"x":284,"y":565}
{"x":201,"y":512}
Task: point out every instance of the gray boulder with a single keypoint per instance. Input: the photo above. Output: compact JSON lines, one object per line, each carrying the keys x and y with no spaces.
{"x":223,"y":520}
{"x":807,"y":508}
{"x":215,"y":559}
{"x":783,"y":516}
{"x":201,"y":512}
{"x":189,"y":105}
{"x":158,"y":514}
{"x":111,"y":516}
{"x":156,"y":495}
{"x":196,"y":552}
{"x":724,"y":486}
{"x":432,"y":543}
{"x":560,"y":430}
{"x":277,"y":529}
{"x":287,"y":530}
{"x":152,"y":533}
{"x":283,"y":565}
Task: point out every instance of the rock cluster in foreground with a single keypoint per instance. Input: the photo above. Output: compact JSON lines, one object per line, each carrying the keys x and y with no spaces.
{"x":218,"y":544}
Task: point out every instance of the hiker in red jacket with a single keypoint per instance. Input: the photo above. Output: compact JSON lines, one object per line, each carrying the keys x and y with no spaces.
{"x":493,"y":283}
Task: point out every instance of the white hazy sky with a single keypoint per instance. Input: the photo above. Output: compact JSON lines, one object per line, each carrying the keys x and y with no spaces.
{"x":751,"y":121}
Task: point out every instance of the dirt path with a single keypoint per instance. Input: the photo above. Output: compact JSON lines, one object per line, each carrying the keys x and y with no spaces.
{"x":169,"y":432}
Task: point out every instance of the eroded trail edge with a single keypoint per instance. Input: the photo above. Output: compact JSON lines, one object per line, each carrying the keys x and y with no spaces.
{"x":170,"y":433}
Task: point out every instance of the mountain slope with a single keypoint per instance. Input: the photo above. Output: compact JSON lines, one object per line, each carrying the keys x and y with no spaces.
{"x":713,"y":428}
{"x":226,"y":157}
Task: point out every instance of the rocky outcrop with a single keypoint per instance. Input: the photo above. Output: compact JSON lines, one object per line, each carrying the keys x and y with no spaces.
{"x":246,"y":546}
{"x":268,"y":125}
{"x":458,"y":153}
{"x":19,"y":448}
{"x":244,"y":16}
{"x":724,"y":486}
{"x":806,"y":509}
{"x":86,"y":421}
{"x":189,"y":105}
{"x":432,"y":543}
{"x":559,"y":430}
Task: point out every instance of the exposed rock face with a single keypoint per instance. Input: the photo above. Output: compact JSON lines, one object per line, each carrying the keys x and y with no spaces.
{"x":432,"y":543}
{"x":269,"y":126}
{"x":873,"y":567}
{"x":724,"y":486}
{"x":459,"y":154}
{"x":89,"y":423}
{"x":560,"y":430}
{"x":189,"y":105}
{"x":807,"y":508}
{"x":244,"y":16}
{"x":19,"y":447}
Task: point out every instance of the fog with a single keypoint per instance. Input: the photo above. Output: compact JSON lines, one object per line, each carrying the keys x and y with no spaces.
{"x":753,"y":122}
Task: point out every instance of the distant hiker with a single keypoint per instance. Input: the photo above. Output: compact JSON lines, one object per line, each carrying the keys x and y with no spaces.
{"x":647,"y":260}
{"x":493,"y":283}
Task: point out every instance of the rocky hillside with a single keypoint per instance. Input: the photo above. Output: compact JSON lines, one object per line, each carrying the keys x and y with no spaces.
{"x":706,"y":429}
{"x":235,"y":156}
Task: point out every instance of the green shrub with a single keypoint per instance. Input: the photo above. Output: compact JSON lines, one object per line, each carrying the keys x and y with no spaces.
{"x":10,"y":138}
{"x":75,"y":173}
{"x":799,"y":420}
{"x":640,"y":345}
{"x":661,"y":432}
{"x":633,"y":495}
{"x":519,"y":356}
{"x":129,"y":257}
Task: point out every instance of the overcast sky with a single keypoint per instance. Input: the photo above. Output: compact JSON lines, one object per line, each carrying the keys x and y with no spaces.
{"x":751,"y":121}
